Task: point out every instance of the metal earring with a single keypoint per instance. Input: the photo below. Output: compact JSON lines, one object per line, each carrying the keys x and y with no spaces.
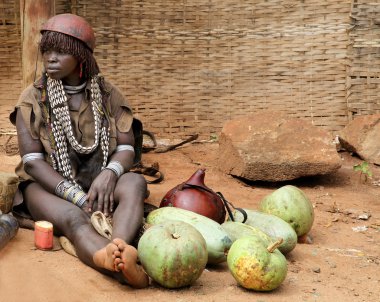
{"x":81,"y":70}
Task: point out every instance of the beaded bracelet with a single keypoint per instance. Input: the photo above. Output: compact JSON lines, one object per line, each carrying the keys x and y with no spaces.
{"x":71,"y":193}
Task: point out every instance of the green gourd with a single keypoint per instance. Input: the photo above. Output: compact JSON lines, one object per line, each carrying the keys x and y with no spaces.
{"x":217,"y":240}
{"x":255,"y":265}
{"x":271,"y":225}
{"x":237,"y":230}
{"x":173,"y":253}
{"x":292,"y":205}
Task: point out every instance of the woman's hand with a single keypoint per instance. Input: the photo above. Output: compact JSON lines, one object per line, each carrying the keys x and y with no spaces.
{"x":102,"y":192}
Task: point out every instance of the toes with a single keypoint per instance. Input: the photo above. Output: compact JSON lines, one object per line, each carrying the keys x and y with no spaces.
{"x":116,"y":254}
{"x":118,"y":264}
{"x":111,"y":249}
{"x":119,"y":242}
{"x":121,"y":266}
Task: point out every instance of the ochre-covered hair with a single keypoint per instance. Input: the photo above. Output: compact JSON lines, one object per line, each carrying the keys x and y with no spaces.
{"x":70,"y":45}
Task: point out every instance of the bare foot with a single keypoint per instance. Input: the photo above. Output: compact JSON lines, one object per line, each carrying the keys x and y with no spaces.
{"x":126,"y":262}
{"x":118,"y":256}
{"x":105,"y":258}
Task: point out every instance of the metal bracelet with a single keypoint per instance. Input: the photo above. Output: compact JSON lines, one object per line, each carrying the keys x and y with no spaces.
{"x":32,"y":156}
{"x":62,"y":187}
{"x":115,"y":167}
{"x":120,"y":148}
{"x":71,"y":193}
{"x":79,"y":198}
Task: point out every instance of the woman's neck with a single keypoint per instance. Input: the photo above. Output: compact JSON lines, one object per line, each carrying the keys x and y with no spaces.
{"x":73,"y":79}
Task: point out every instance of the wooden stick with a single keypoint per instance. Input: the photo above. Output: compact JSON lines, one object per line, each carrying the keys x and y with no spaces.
{"x":163,"y":149}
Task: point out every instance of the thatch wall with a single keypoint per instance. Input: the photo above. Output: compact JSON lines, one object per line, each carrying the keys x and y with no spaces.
{"x":363,"y":81}
{"x":188,"y":66}
{"x":10,"y":52}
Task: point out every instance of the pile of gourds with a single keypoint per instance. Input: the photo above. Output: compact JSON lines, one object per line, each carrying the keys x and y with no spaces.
{"x":173,"y":254}
{"x":184,"y":236}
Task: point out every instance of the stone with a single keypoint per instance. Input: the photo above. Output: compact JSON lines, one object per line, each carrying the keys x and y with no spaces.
{"x":316,"y":270}
{"x":361,"y":136}
{"x":270,"y":146}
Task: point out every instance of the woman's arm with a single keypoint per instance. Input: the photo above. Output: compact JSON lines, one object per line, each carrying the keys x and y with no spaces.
{"x":35,"y":165}
{"x":39,"y":169}
{"x":124,"y":157}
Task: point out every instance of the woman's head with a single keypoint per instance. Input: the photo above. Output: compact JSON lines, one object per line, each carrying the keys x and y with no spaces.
{"x":72,"y":35}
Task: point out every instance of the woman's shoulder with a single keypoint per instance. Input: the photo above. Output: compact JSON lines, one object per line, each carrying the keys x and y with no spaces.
{"x":27,"y":101}
{"x":116,"y":96}
{"x":109,"y":87}
{"x":31,"y":93}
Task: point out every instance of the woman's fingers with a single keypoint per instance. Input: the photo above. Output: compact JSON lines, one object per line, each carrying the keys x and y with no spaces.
{"x":111,"y":205}
{"x":104,"y":203}
{"x":91,"y":197}
{"x":100,"y":202}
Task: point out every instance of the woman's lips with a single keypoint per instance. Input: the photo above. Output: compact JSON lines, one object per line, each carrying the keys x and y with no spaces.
{"x":52,"y":69}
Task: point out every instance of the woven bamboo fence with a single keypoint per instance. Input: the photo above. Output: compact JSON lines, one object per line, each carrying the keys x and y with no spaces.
{"x":363,"y":79}
{"x":188,"y":66}
{"x":10,"y":52}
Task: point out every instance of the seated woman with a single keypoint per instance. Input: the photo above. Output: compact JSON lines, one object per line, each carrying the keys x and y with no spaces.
{"x":76,"y":142}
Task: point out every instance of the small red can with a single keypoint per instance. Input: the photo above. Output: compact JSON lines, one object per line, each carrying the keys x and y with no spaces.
{"x":43,"y":235}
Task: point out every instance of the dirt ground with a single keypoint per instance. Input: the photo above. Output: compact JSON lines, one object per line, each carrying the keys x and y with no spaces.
{"x":341,"y":264}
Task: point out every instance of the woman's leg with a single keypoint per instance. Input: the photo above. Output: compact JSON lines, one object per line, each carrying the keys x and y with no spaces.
{"x":129,"y":195}
{"x":127,"y":219}
{"x":67,"y":219}
{"x":74,"y":223}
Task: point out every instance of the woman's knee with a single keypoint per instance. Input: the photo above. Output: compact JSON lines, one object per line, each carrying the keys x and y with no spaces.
{"x":134,"y":180}
{"x":131,"y":183}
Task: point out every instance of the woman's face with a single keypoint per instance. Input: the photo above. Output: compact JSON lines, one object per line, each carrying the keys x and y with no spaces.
{"x":61,"y":66}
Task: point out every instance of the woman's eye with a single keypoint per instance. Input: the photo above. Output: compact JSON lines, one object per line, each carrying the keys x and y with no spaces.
{"x":58,"y":51}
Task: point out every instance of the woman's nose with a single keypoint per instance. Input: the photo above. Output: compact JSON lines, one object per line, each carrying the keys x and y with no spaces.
{"x":52,"y":56}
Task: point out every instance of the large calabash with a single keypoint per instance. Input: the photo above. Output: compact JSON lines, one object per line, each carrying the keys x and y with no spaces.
{"x":194,"y":195}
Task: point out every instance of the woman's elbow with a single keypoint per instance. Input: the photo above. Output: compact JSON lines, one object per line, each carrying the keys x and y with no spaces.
{"x":32,"y":166}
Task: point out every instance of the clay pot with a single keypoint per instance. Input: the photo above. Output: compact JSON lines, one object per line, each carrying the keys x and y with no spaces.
{"x":8,"y":228}
{"x":12,"y":222}
{"x":5,"y":234}
{"x":194,"y":195}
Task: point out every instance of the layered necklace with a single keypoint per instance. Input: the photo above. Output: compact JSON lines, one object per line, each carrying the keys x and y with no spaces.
{"x":62,"y":128}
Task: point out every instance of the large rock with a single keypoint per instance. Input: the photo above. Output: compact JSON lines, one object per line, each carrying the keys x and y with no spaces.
{"x":361,"y":136}
{"x":270,"y":146}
